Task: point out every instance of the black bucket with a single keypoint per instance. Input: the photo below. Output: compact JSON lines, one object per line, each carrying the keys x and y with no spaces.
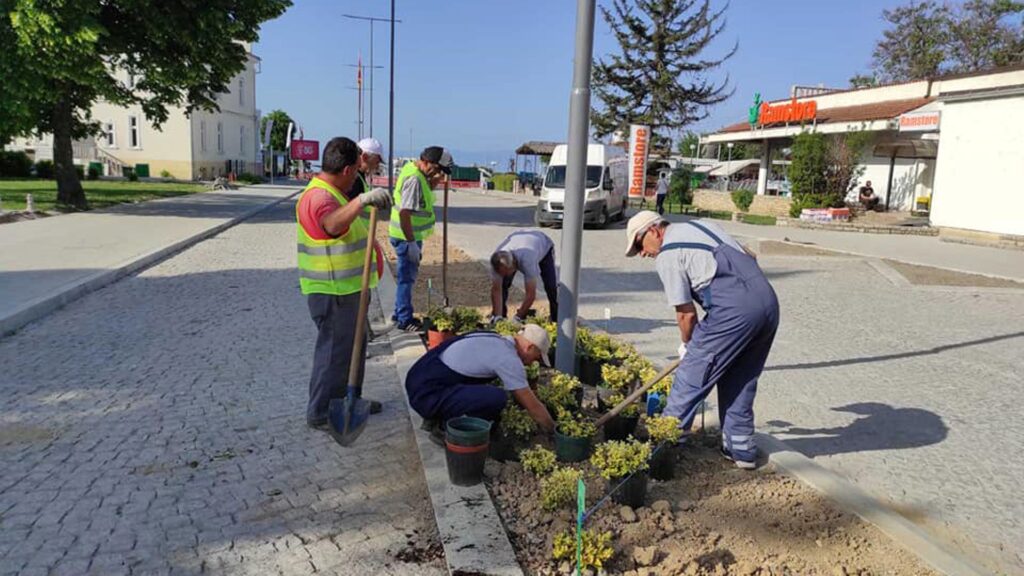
{"x":620,"y":427}
{"x":632,"y":493}
{"x":465,"y":463}
{"x":590,"y":371}
{"x":663,"y":463}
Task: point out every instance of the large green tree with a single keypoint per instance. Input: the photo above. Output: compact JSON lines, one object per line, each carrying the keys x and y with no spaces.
{"x":279,"y":131}
{"x":985,"y":34}
{"x":915,"y":45}
{"x":69,"y":54}
{"x":660,"y":75}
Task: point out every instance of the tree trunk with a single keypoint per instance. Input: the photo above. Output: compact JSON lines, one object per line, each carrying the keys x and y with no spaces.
{"x":69,"y":188}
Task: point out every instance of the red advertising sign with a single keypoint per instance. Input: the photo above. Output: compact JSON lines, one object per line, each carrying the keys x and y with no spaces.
{"x":305,"y":150}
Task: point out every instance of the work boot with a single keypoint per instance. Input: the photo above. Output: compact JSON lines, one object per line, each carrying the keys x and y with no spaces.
{"x":436,"y":431}
{"x":744,"y":464}
{"x":317,"y":423}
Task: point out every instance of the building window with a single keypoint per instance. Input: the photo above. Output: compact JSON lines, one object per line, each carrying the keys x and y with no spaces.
{"x":134,"y":133}
{"x":241,"y":140}
{"x":109,"y":136}
{"x":220,"y":137}
{"x":241,"y":91}
{"x":202,"y":135}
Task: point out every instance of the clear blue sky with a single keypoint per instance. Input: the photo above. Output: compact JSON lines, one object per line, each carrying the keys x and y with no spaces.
{"x":481,"y":77}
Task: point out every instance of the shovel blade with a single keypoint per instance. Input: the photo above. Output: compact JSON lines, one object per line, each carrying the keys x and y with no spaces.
{"x":347,"y":419}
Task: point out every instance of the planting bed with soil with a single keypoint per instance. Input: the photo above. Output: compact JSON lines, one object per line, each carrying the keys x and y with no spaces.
{"x":712,"y":519}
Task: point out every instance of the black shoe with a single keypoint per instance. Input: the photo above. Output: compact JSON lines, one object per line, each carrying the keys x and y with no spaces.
{"x":413,"y":325}
{"x":317,"y":424}
{"x":436,"y":431}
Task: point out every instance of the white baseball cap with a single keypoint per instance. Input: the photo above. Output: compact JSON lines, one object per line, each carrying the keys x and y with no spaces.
{"x":538,"y":337}
{"x":638,"y":224}
{"x":371,"y":146}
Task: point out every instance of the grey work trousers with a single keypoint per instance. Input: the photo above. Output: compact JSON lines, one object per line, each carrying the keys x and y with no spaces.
{"x":335,"y":318}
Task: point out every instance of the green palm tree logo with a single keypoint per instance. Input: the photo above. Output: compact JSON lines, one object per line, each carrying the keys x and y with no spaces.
{"x":753,"y":111}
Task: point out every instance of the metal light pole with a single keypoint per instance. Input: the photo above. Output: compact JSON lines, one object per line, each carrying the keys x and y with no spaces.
{"x":693,"y":155}
{"x":391,"y":106}
{"x":728,"y":169}
{"x":371,"y":20}
{"x":575,"y":180}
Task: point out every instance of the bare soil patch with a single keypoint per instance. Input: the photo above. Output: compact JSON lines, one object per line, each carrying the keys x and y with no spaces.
{"x":928,"y":276}
{"x":713,"y":519}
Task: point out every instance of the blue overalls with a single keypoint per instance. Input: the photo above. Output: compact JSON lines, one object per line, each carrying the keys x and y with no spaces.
{"x":729,"y":346}
{"x":437,"y":392}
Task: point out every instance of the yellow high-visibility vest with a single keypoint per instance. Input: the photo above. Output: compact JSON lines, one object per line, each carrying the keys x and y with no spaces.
{"x":422,"y":218}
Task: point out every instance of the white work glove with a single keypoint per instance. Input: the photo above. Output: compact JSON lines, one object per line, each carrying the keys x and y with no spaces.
{"x":413,"y":251}
{"x":494,"y":319}
{"x":682,"y":350}
{"x":378,"y":198}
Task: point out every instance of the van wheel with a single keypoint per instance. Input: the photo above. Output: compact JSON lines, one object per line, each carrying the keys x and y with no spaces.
{"x":622,"y":212}
{"x":602,"y":221}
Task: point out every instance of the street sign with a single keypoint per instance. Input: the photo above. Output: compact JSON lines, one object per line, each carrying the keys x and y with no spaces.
{"x":639,"y":137}
{"x":305,"y":150}
{"x":920,"y":121}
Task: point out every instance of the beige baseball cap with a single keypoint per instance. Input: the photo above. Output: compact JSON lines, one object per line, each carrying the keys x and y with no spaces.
{"x":637,"y":225}
{"x":538,"y":337}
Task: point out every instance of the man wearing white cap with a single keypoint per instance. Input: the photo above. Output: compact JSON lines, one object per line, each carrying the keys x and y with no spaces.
{"x":369,"y":160}
{"x":454,"y":379}
{"x":698,"y":262}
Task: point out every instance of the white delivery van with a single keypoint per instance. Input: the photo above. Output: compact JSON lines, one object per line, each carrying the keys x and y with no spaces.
{"x":606,"y":187}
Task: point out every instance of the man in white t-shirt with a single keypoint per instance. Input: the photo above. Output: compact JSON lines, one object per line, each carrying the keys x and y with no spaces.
{"x":532,"y":254}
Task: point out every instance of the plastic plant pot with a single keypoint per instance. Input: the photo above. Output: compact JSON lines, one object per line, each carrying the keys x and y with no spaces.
{"x":505,"y":449}
{"x":590,"y":371}
{"x":435,"y":338}
{"x":632,"y":493}
{"x":620,"y":427}
{"x":465,"y":463}
{"x":468,"y":431}
{"x":569,"y":449}
{"x":663,"y":463}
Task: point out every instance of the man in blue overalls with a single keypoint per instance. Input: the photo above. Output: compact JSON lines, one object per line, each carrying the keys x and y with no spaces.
{"x":698,"y":262}
{"x":453,"y":379}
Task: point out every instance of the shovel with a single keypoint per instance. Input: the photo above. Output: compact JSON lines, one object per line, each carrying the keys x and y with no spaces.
{"x":347,"y":416}
{"x":636,"y":394}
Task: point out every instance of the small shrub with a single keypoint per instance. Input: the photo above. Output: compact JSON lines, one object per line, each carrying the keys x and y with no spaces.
{"x":559,"y":488}
{"x":506,"y":327}
{"x":249,"y":178}
{"x":596,"y":346}
{"x":533,"y":371}
{"x":595,"y":548}
{"x":80,"y":170}
{"x":679,"y":187}
{"x":516,"y":423}
{"x":44,"y":169}
{"x":575,"y":425}
{"x":663,"y":429}
{"x":466,"y":319}
{"x":93,"y":173}
{"x":504,"y":181}
{"x":620,"y":458}
{"x":617,"y":377}
{"x":165,"y":174}
{"x":15,"y":164}
{"x":441,"y":319}
{"x":538,"y":460}
{"x":629,"y":411}
{"x":560,"y":392}
{"x":743,"y":199}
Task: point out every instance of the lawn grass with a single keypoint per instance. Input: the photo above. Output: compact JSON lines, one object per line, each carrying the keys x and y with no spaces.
{"x":759,"y":220}
{"x":99,"y":193}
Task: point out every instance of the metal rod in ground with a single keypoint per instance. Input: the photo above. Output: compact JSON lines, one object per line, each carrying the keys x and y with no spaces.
{"x":575,"y":178}
{"x":444,"y":243}
{"x":391,"y":106}
{"x":636,"y":394}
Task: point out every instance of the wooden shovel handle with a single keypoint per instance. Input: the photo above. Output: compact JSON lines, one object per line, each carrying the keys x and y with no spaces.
{"x":637,"y":394}
{"x":364,"y":303}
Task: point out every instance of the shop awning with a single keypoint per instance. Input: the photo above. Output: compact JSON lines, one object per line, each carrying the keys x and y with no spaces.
{"x":910,"y":148}
{"x":537,"y":148}
{"x":726,"y":169}
{"x":861,"y":113}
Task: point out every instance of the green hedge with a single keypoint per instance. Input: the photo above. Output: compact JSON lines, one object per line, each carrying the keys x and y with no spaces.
{"x":743,"y":198}
{"x":15,"y":164}
{"x":44,"y":169}
{"x":504,"y":181}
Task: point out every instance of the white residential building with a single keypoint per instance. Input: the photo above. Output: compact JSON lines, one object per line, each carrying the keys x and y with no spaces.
{"x":201,"y":146}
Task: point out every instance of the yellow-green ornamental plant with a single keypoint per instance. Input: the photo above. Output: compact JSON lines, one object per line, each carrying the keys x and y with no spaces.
{"x":663,"y":429}
{"x":442,"y":320}
{"x":506,"y":327}
{"x":559,"y":488}
{"x":630,"y":411}
{"x":596,"y":548}
{"x":560,"y":392}
{"x":619,"y":378}
{"x":538,"y":461}
{"x":575,"y":425}
{"x":620,"y":458}
{"x":516,"y":423}
{"x":533,"y":371}
{"x":466,"y":319}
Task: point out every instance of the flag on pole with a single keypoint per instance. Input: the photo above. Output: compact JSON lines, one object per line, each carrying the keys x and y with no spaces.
{"x":359,"y":73}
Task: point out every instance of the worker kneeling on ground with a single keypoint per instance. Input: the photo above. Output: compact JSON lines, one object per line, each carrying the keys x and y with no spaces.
{"x":698,"y":262}
{"x":454,"y":378}
{"x":531,"y":253}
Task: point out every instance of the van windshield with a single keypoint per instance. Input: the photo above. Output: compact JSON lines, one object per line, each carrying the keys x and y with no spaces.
{"x":556,"y":177}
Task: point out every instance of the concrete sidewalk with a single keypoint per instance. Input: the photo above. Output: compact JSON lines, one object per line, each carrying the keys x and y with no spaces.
{"x":49,"y":262}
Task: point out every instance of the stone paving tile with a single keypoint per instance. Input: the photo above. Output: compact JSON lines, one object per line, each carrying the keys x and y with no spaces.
{"x":157,"y":427}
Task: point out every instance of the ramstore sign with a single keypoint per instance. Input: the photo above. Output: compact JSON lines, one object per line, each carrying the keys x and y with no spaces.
{"x":762,"y":113}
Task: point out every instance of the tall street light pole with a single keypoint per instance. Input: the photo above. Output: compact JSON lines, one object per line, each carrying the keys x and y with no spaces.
{"x":728,"y":169}
{"x":575,"y":180}
{"x":371,"y":20}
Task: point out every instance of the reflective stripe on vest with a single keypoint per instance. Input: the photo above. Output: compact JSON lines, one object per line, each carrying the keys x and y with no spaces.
{"x":422,"y":219}
{"x":333,"y":266}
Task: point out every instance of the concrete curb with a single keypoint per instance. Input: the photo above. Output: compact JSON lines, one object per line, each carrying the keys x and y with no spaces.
{"x":852,"y":499}
{"x":47,"y":303}
{"x":474,"y":539}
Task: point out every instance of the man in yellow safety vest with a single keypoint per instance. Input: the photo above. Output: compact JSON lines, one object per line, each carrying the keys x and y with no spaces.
{"x":331,"y":250}
{"x":411,"y":223}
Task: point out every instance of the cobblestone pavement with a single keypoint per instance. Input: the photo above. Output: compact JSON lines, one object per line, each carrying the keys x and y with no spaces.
{"x":909,"y":392}
{"x":157,"y":426}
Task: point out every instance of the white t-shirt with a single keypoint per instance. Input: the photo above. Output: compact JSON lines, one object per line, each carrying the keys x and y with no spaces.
{"x":662,"y":187}
{"x":686,"y":270}
{"x":529,"y":247}
{"x":487,"y":356}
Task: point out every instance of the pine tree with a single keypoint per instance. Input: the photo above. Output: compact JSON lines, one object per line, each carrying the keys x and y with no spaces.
{"x":660,"y":77}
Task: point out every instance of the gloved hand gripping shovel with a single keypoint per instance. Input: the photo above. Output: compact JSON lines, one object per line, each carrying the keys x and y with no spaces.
{"x":347,"y":416}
